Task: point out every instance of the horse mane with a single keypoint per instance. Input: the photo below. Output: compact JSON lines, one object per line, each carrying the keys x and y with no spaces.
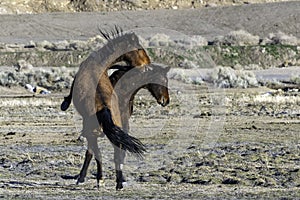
{"x":110,"y":35}
{"x":118,"y":44}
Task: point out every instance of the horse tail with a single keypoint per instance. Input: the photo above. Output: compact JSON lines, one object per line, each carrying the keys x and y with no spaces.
{"x":67,"y":100}
{"x":117,"y":136}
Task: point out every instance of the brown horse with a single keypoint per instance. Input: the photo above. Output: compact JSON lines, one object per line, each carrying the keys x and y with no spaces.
{"x":97,"y":103}
{"x":158,"y":91}
{"x":133,"y":59}
{"x":154,"y":80}
{"x":128,"y":82}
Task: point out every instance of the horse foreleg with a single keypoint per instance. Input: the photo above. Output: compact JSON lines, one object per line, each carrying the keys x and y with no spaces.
{"x":87,"y":160}
{"x":119,"y":157}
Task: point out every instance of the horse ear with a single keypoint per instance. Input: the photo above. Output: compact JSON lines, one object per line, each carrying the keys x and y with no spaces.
{"x":165,"y":69}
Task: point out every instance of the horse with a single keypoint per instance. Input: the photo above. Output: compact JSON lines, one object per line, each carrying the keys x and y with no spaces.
{"x":97,"y":103}
{"x":127,"y":84}
{"x":127,"y":81}
{"x":154,"y":80}
{"x":158,"y":91}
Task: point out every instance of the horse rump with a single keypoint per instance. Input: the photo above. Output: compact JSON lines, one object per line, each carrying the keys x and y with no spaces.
{"x":117,"y":136}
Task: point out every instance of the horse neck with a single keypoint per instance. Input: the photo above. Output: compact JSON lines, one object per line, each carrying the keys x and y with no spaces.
{"x":126,"y":90}
{"x":117,"y":76}
{"x":109,"y":54}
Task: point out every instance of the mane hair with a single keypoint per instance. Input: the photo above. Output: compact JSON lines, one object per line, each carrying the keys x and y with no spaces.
{"x":110,"y":35}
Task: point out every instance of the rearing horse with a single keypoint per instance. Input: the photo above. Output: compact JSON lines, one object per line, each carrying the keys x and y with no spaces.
{"x":127,"y":83}
{"x":97,"y":103}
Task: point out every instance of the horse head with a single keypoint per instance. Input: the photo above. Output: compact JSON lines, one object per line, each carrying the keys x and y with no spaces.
{"x":159,"y":84}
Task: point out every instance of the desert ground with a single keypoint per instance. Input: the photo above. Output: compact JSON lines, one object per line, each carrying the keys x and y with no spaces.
{"x":210,"y":142}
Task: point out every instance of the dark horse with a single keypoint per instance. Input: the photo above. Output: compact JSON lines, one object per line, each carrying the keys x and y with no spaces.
{"x":98,"y":104}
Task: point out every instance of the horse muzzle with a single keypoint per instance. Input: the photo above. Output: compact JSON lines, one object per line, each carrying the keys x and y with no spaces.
{"x":163,"y":101}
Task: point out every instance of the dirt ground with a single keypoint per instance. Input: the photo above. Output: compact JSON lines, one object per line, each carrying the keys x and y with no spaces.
{"x":209,"y":143}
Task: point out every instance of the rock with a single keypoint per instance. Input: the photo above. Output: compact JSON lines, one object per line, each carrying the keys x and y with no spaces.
{"x":31,"y":44}
{"x":230,"y":181}
{"x":11,"y":133}
{"x":175,"y":178}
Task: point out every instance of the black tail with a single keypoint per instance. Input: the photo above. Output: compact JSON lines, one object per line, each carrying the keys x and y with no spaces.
{"x":66,"y":103}
{"x":67,"y":100}
{"x":117,"y":136}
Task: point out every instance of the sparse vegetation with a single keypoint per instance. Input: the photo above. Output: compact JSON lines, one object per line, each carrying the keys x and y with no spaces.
{"x":237,"y":38}
{"x":182,"y":53}
{"x":226,"y":77}
{"x":281,"y":38}
{"x":51,"y":78}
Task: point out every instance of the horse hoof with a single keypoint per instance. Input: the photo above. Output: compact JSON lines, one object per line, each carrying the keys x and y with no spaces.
{"x":121,"y":185}
{"x":79,"y":180}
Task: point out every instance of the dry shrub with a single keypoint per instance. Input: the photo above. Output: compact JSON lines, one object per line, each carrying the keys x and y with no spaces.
{"x":226,"y":77}
{"x":281,"y":38}
{"x":53,"y":79}
{"x":160,"y":40}
{"x":185,"y":76}
{"x":192,"y":41}
{"x":237,"y":38}
{"x":295,"y":79}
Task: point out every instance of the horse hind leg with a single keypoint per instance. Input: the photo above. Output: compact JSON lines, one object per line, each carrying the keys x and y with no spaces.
{"x":88,"y":155}
{"x":98,"y":158}
{"x":83,"y":171}
{"x":119,"y":157}
{"x":92,"y":149}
